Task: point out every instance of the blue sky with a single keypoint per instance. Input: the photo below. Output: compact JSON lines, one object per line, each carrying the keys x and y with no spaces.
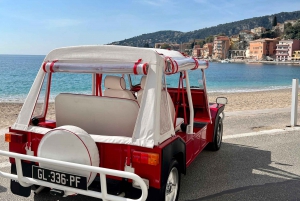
{"x":38,"y":26}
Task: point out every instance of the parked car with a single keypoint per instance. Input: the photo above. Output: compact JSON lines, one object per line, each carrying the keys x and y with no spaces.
{"x":130,"y":137}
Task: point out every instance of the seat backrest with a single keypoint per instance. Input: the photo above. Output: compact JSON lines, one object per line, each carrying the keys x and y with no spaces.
{"x":116,"y":87}
{"x":97,"y":115}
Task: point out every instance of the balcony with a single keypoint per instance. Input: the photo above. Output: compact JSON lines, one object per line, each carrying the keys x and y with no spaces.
{"x":282,"y":54}
{"x":282,"y":51}
{"x":282,"y":45}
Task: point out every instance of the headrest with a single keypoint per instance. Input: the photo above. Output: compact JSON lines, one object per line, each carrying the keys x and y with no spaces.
{"x":143,"y":81}
{"x":114,"y":82}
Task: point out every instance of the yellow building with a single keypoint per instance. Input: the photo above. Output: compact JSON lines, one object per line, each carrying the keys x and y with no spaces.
{"x":296,"y":55}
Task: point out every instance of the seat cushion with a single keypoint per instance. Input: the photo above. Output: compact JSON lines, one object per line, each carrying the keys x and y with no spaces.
{"x":114,"y":82}
{"x":116,"y":87}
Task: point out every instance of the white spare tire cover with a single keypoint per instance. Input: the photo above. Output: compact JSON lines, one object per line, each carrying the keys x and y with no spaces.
{"x":69,"y":144}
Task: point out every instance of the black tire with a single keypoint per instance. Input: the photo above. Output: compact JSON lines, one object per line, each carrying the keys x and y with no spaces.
{"x":218,"y":134}
{"x":168,"y":189}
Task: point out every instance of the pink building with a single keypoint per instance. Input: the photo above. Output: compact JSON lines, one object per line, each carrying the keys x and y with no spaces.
{"x":221,"y":47}
{"x":198,"y":52}
{"x":285,"y":49}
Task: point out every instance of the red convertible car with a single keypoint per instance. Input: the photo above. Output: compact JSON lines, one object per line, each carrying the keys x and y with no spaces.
{"x":131,"y":137}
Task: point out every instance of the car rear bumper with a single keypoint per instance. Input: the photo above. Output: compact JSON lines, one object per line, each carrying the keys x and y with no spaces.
{"x":26,"y":181}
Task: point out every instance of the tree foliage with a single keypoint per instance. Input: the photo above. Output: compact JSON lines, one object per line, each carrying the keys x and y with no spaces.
{"x":201,"y":43}
{"x":165,"y":46}
{"x":209,"y":39}
{"x":292,"y":32}
{"x":268,"y":34}
{"x":274,"y":22}
{"x":229,"y":29}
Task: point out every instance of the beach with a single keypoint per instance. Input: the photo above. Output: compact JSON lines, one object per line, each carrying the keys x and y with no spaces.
{"x":255,"y":100}
{"x":245,"y":101}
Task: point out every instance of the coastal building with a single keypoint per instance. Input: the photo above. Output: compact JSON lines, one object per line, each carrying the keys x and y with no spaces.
{"x":245,"y":37}
{"x":234,"y":42}
{"x":237,"y":54}
{"x":296,"y":55}
{"x":221,"y":47}
{"x":261,"y":48}
{"x":158,"y":45}
{"x":198,"y":52}
{"x":279,"y":28}
{"x":285,"y":49}
{"x":171,"y":46}
{"x":207,"y":50}
{"x":258,"y":31}
{"x":196,"y":46}
{"x":292,"y":22}
{"x":247,"y":52}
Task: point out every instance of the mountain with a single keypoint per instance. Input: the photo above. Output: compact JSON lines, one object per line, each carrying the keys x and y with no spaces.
{"x":229,"y":29}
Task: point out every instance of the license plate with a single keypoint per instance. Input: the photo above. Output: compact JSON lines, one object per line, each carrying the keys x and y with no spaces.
{"x":60,"y":178}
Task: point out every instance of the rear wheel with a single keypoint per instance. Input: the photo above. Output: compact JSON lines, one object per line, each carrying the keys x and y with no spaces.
{"x":218,"y":134}
{"x":171,"y":188}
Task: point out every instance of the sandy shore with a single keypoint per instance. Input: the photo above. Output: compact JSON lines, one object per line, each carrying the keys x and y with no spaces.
{"x":236,"y":102}
{"x":255,"y":100}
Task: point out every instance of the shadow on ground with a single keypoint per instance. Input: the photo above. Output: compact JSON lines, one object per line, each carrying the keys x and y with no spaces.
{"x":2,"y":189}
{"x":238,"y":172}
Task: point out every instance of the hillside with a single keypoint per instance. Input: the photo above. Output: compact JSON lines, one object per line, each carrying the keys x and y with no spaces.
{"x":228,"y":29}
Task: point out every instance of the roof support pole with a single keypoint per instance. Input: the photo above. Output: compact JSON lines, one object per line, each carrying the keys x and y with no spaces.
{"x":190,"y":127}
{"x":93,"y":84}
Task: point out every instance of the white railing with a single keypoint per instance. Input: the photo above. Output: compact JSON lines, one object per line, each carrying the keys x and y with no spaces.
{"x":26,"y":181}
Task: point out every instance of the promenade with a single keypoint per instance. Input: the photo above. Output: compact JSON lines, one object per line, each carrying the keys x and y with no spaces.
{"x":249,"y":61}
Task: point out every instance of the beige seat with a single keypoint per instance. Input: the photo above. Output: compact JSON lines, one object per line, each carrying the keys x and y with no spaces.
{"x":179,"y":121}
{"x":97,"y":115}
{"x":116,"y":87}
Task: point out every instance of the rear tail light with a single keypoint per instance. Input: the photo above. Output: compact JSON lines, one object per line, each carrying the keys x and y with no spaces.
{"x":145,"y":158}
{"x":15,"y":137}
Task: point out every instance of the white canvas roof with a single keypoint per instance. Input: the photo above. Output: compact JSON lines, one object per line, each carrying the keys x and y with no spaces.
{"x":147,"y":129}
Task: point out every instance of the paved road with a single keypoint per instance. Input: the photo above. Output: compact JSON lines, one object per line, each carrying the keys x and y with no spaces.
{"x":261,"y":167}
{"x":255,"y":166}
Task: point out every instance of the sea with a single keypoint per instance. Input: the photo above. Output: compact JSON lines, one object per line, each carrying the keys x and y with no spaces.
{"x":17,"y":73}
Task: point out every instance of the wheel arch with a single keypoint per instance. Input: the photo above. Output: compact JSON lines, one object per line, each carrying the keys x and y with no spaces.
{"x":175,"y":150}
{"x":219,"y":111}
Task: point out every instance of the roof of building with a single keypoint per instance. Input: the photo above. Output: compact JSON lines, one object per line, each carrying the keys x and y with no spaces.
{"x":263,"y":40}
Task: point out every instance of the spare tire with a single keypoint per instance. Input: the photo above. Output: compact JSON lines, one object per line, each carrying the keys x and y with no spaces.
{"x":69,"y":144}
